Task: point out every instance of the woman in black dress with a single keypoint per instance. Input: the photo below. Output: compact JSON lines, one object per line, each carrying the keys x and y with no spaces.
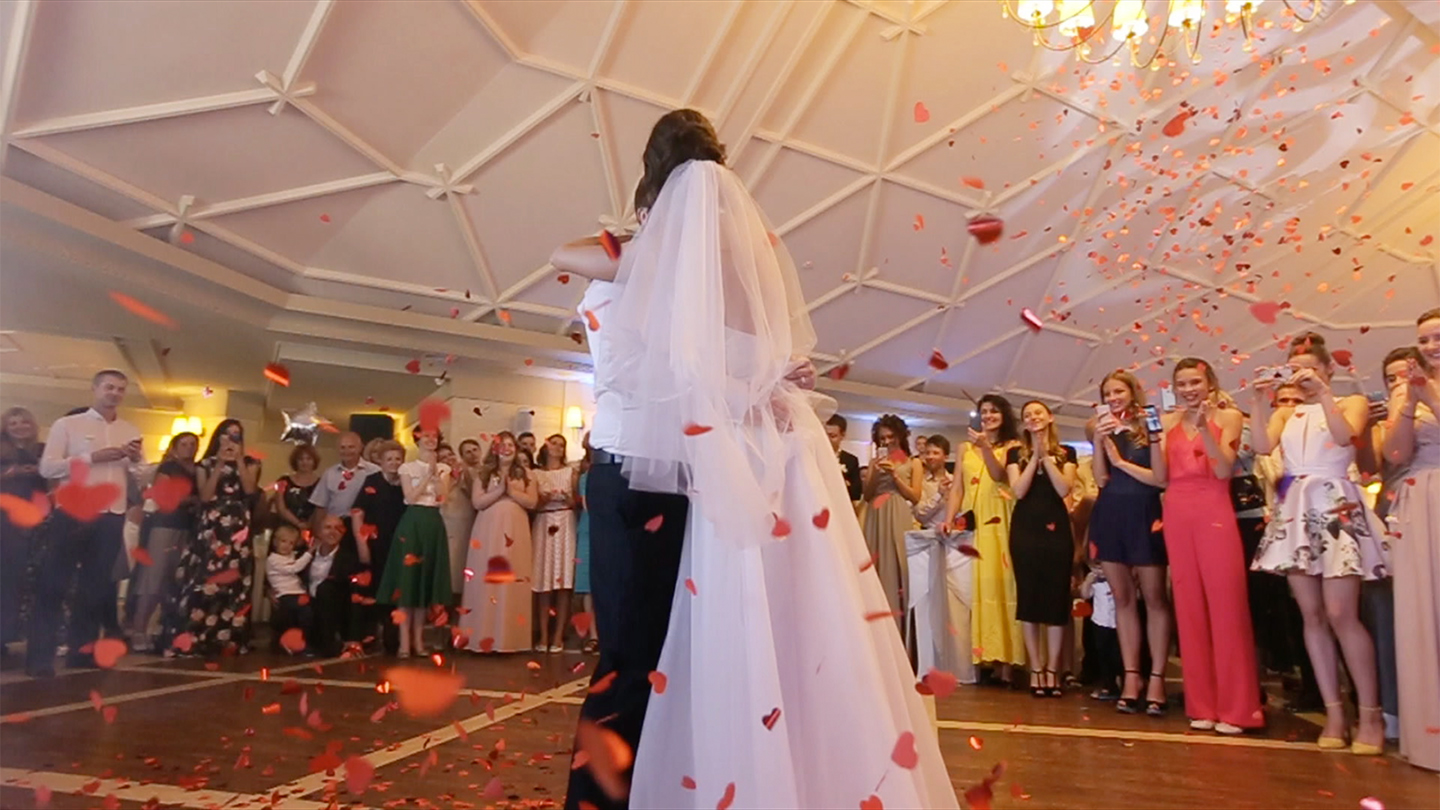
{"x":172,"y":503}
{"x":292,"y":492}
{"x":217,"y":571}
{"x":1125,"y":527}
{"x":1041,"y":472}
{"x":20,"y":450}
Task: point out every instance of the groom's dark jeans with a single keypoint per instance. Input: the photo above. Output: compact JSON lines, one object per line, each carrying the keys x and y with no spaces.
{"x":632,"y":582}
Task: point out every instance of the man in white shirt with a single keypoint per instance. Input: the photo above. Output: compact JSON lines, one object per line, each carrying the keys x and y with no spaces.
{"x":97,"y":447}
{"x":334,"y":496}
{"x":329,"y":594}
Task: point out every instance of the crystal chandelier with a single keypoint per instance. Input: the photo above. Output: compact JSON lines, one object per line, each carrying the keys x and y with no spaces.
{"x":1129,"y":22}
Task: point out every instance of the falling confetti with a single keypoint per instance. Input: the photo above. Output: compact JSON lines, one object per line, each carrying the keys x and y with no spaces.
{"x":413,"y":366}
{"x":278,"y":374}
{"x":922,"y":114}
{"x":821,"y":519}
{"x":986,"y":229}
{"x":610,"y":244}
{"x":432,"y":412}
{"x":904,"y":754}
{"x":1265,"y":311}
{"x":693,"y":429}
{"x":653,"y":524}
{"x":938,"y":361}
{"x":424,"y":692}
{"x":142,"y":310}
{"x":1031,"y":319}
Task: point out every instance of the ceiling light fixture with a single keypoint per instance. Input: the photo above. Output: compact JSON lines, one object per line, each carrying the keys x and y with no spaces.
{"x":1130,"y":22}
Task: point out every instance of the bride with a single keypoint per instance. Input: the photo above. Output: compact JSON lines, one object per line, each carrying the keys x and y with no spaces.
{"x":785,"y":684}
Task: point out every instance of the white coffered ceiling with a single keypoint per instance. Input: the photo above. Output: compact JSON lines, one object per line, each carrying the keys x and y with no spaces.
{"x":409,"y":166}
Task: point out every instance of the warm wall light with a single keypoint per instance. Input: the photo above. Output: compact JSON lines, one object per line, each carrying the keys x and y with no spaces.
{"x":183,"y":424}
{"x":574,"y":418}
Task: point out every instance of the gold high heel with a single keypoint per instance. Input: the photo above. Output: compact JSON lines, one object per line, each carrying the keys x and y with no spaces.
{"x":1330,"y":743}
{"x":1366,"y":749}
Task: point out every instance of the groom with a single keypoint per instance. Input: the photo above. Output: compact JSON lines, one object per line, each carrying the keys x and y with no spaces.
{"x":635,"y":543}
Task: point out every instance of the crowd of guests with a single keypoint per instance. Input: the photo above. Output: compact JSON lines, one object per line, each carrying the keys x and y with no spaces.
{"x":482,"y":547}
{"x":1242,"y":522}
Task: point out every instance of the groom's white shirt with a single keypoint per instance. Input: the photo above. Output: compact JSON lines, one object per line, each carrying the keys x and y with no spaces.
{"x":605,"y":425}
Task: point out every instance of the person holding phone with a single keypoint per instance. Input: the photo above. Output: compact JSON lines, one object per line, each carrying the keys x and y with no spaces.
{"x":1207,"y":559}
{"x":1125,"y":526}
{"x":891,"y":472}
{"x":217,"y":570}
{"x":1413,"y":439}
{"x":979,"y":502}
{"x":1322,"y":537}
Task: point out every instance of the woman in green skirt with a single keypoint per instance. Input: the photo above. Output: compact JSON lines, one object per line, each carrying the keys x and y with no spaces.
{"x":417,"y":574}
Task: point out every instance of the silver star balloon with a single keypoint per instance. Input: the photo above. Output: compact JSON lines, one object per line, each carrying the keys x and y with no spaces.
{"x":302,"y":426}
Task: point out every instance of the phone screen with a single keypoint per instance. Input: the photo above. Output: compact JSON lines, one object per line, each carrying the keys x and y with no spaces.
{"x":1152,"y":419}
{"x":975,"y":422}
{"x":1167,"y":399}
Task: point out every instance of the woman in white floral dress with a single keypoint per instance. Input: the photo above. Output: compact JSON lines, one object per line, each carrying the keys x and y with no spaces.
{"x":1322,"y":537}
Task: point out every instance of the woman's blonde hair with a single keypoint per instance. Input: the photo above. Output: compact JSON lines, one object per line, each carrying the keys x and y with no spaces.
{"x":1135,"y":418}
{"x":1053,"y":447}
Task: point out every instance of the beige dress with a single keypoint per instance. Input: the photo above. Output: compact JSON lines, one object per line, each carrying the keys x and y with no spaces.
{"x":496,"y":615}
{"x":1415,"y":553}
{"x":459,"y":517}
{"x":887,"y":520}
{"x":553,"y":535}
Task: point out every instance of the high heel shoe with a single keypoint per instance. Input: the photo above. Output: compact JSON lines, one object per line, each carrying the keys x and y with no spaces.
{"x":1157,"y":708}
{"x":1052,"y":685}
{"x":1128,"y":705}
{"x":1036,"y":689}
{"x":1365,"y":749}
{"x":1330,"y":743}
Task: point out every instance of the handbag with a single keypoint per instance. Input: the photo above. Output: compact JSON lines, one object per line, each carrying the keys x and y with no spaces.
{"x":1246,"y":494}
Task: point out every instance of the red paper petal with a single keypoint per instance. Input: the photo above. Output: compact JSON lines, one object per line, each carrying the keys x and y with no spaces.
{"x":611,"y":244}
{"x":822,"y":519}
{"x":693,"y":429}
{"x":142,"y":310}
{"x":608,"y":757}
{"x":728,"y":799}
{"x":498,"y":571}
{"x":1031,"y":319}
{"x":85,"y":503}
{"x":690,"y":586}
{"x":771,"y":719}
{"x":278,"y":374}
{"x":658,"y":681}
{"x":1265,"y":311}
{"x":653,"y":524}
{"x":582,"y":623}
{"x":413,"y":366}
{"x":973,"y":182}
{"x":22,"y":513}
{"x":872,"y":803}
{"x":941,"y":683}
{"x":922,"y":114}
{"x":1342,"y":356}
{"x":293,"y":640}
{"x":781,"y":527}
{"x":358,"y":773}
{"x":904,"y":753}
{"x":986,"y":229}
{"x":1176,"y":126}
{"x":938,"y":361}
{"x":424,"y":692}
{"x":108,"y":652}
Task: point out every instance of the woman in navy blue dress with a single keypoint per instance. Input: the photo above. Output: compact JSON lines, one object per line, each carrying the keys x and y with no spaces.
{"x":1125,"y":527}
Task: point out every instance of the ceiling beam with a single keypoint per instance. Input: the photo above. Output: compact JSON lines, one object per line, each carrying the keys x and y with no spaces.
{"x":473,"y":247}
{"x":156,"y":112}
{"x":492,"y":28}
{"x":274,"y":198}
{"x":306,"y":45}
{"x":752,"y":64}
{"x":707,"y":59}
{"x":12,"y":71}
{"x":520,"y":130}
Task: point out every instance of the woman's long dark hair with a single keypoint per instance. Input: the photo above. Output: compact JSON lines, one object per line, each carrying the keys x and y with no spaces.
{"x":213,"y":448}
{"x":679,"y":136}
{"x":897,"y":427}
{"x":1009,"y":426}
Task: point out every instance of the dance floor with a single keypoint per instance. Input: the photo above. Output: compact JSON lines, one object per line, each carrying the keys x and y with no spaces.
{"x":258,"y":732}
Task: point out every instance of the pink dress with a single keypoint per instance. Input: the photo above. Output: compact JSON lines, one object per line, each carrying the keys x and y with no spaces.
{"x":1207,"y":572}
{"x":496,"y":615}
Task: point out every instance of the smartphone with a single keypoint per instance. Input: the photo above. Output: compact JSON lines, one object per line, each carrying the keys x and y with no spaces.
{"x":975,"y":423}
{"x":1276,"y":373}
{"x":1167,"y":399}
{"x":1152,"y":419}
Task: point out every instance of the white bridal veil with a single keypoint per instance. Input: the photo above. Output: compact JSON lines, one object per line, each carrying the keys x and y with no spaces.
{"x":709,"y":323}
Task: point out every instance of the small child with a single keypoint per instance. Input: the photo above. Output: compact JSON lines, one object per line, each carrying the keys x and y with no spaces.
{"x":1100,"y":631}
{"x":282,"y":570}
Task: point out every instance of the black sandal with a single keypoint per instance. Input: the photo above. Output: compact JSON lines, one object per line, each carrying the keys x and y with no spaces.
{"x":1156,"y":708}
{"x":1127,"y":705}
{"x":1036,"y":688}
{"x":1053,"y":689}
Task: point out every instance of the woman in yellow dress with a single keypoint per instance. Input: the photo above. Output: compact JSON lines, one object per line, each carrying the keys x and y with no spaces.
{"x":977,"y":497}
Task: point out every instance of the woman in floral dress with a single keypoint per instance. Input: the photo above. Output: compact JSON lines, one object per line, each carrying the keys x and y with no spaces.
{"x":217,"y":571}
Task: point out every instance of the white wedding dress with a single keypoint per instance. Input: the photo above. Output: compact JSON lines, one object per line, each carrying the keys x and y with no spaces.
{"x":786,"y":684}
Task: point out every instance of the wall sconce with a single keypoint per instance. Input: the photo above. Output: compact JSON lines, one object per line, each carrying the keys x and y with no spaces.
{"x":574,"y":418}
{"x":183,"y":424}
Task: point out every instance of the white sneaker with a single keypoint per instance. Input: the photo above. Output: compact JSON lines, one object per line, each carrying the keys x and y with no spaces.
{"x":1226,"y":728}
{"x":539,"y":648}
{"x":1202,"y":725}
{"x":556,"y":648}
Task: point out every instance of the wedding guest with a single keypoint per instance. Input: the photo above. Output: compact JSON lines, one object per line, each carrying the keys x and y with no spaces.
{"x":1207,"y":563}
{"x":373,"y":519}
{"x":168,"y":530}
{"x":888,"y":517}
{"x":835,"y":428}
{"x":293,"y":491}
{"x":980,"y":502}
{"x":1125,"y":527}
{"x":1325,"y":559}
{"x":372,"y":450}
{"x":336,"y":491}
{"x":553,"y":540}
{"x":528,"y":447}
{"x":1413,"y":440}
{"x":496,"y":595}
{"x":582,"y":550}
{"x":20,"y":451}
{"x":329,"y":590}
{"x":104,"y":446}
{"x":282,"y":570}
{"x":216,"y":572}
{"x":1041,"y":472}
{"x":416,"y":577}
{"x":457,"y":512}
